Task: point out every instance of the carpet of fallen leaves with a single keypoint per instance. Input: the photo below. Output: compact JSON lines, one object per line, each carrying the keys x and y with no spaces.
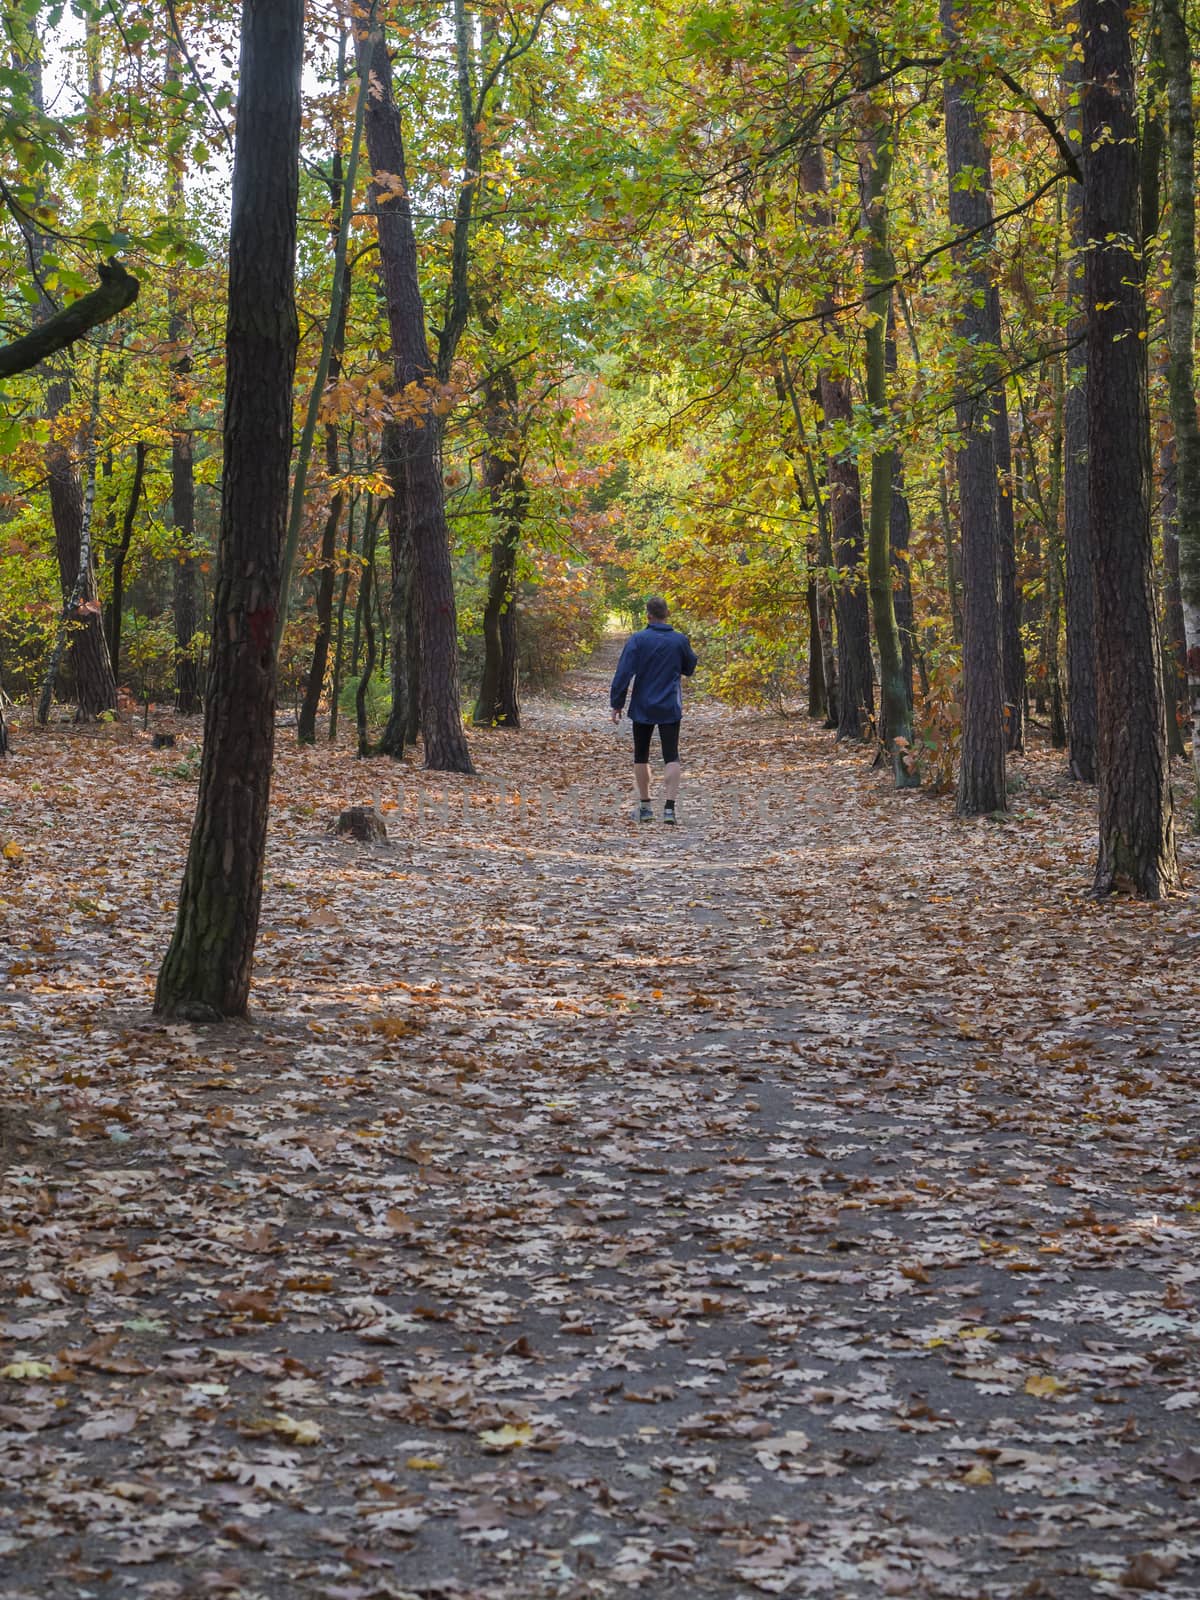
{"x":800,"y":1202}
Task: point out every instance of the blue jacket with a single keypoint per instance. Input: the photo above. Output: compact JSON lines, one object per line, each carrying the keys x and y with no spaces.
{"x":654,"y":660}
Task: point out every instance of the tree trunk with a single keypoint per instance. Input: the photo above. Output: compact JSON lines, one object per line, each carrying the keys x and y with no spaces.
{"x":855,"y":682}
{"x":186,"y":574}
{"x":417,"y":469}
{"x":340,"y":633}
{"x":206,"y":972}
{"x":498,"y":704}
{"x":1082,"y":733}
{"x":306,"y":731}
{"x":119,"y":555}
{"x":1006,"y":524}
{"x":900,"y":532}
{"x":404,"y":717}
{"x":879,"y":269}
{"x":365,"y":591}
{"x":1137,"y":843}
{"x":818,"y":699}
{"x":855,"y":672}
{"x":306,"y":722}
{"x":981,"y":780}
{"x":1181,"y":370}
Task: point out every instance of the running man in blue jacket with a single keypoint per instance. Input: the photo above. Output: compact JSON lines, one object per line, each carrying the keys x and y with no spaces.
{"x":654,"y":660}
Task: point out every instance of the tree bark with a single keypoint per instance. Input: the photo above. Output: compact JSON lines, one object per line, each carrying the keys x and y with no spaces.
{"x":1013,"y":653}
{"x":1079,"y":605}
{"x":1177,"y":62}
{"x":117,"y":292}
{"x":186,"y":574}
{"x":206,"y":972}
{"x":403,"y":723}
{"x":879,"y":269}
{"x":899,"y":533}
{"x":855,"y":673}
{"x":339,"y":645}
{"x":498,"y":703}
{"x":981,"y":780}
{"x":1137,"y":843}
{"x":306,"y":722}
{"x":306,"y":731}
{"x":120,"y":553}
{"x":416,"y":467}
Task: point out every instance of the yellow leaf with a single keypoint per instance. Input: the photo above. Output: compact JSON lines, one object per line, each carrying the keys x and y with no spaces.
{"x":13,"y":852}
{"x":510,"y":1437}
{"x":979,"y":1474}
{"x":423,"y":1464}
{"x":297,"y":1432}
{"x":20,"y":1370}
{"x":1044,"y":1384}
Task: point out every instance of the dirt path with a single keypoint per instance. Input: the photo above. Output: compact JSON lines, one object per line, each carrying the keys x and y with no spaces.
{"x":803,"y":1201}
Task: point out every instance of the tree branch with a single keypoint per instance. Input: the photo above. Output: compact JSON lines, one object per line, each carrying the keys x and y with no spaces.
{"x":118,"y":290}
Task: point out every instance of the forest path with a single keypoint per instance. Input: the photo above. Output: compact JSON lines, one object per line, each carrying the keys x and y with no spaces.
{"x":796,"y":1202}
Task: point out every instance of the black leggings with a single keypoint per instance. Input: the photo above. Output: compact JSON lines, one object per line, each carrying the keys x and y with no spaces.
{"x":668,"y":733}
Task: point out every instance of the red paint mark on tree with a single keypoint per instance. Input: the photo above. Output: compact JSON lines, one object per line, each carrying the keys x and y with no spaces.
{"x":262,"y":628}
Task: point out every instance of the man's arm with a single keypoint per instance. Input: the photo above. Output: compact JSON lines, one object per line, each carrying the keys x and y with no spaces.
{"x":623,"y":676}
{"x":687,"y":664}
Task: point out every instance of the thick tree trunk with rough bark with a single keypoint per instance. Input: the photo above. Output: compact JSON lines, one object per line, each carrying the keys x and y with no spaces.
{"x":417,"y":468}
{"x":1137,"y":843}
{"x":981,"y":781}
{"x":206,"y":972}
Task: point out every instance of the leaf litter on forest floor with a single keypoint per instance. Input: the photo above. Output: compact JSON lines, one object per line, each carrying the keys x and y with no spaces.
{"x":802,"y":1202}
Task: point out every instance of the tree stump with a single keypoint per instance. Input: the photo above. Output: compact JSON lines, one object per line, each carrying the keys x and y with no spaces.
{"x":360,"y":822}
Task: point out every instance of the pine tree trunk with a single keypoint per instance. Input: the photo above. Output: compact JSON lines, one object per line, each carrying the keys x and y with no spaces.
{"x":981,"y":780}
{"x":1137,"y":844}
{"x":206,"y":972}
{"x":1177,"y":62}
{"x":418,"y":487}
